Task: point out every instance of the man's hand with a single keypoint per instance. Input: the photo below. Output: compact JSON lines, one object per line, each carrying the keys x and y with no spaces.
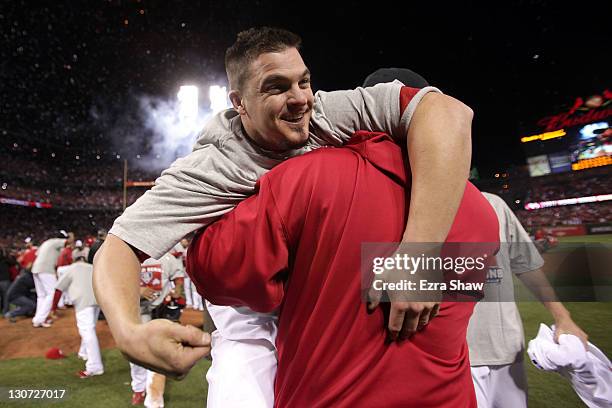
{"x":405,"y":318}
{"x":148,"y":293}
{"x":538,"y":284}
{"x":165,"y":347}
{"x":411,"y":308}
{"x":566,"y":325}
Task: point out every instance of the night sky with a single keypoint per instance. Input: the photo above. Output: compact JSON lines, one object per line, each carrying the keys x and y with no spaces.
{"x":72,"y":72}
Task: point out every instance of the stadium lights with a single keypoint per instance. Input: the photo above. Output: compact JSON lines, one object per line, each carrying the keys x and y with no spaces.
{"x":188,"y":103}
{"x":218,"y":98}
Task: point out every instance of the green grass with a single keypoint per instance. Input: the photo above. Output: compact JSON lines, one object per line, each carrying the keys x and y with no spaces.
{"x":109,"y":390}
{"x":550,"y":390}
{"x":546,"y":390}
{"x":603,"y":238}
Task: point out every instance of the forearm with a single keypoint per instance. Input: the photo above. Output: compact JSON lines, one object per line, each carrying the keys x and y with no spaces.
{"x":179,"y":288}
{"x":439,"y":151}
{"x":116,"y":285}
{"x":538,"y":284}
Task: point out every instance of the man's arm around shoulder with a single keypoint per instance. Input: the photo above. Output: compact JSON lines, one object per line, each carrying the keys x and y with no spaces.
{"x":439,"y":151}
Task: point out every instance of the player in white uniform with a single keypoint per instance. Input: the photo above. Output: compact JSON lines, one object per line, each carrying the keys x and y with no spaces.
{"x":43,"y":270}
{"x":159,"y":278}
{"x":495,"y":333}
{"x":193,"y":299}
{"x":275,"y":118}
{"x":180,"y":253}
{"x":76,"y":280}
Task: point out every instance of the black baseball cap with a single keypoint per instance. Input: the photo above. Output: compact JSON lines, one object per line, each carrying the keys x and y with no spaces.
{"x":406,"y":76}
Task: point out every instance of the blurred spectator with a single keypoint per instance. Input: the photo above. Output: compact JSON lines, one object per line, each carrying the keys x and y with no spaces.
{"x":28,"y":255}
{"x":6,"y":261}
{"x":22,"y":294}
{"x":80,"y":249}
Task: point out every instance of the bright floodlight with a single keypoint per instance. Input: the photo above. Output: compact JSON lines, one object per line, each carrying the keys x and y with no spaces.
{"x":188,"y":103}
{"x":218,"y":98}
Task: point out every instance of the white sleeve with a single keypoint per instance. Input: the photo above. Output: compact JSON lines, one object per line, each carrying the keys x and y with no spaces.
{"x":175,"y":267}
{"x":524,"y":255}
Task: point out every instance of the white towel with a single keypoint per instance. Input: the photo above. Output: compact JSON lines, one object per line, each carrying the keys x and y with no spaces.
{"x":589,"y":371}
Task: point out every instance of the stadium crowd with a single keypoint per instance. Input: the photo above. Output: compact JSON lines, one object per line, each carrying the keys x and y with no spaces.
{"x":86,"y":197}
{"x":39,"y":224}
{"x":570,"y":187}
{"x":17,"y":171}
{"x":74,"y":198}
{"x":566,"y":215}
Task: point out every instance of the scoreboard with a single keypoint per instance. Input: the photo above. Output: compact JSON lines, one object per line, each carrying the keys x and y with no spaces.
{"x":578,"y":139}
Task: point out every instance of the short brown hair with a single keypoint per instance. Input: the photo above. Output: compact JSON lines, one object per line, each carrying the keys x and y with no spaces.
{"x":249,"y":45}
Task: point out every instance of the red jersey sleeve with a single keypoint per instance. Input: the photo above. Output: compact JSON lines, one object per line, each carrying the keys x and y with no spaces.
{"x":241,"y":259}
{"x":406,"y":95}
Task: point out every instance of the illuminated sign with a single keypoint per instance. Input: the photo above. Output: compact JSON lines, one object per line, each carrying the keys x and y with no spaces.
{"x":568,"y":201}
{"x":590,"y":163}
{"x":140,"y":184}
{"x":594,"y":108}
{"x":560,"y":162}
{"x":590,"y":131}
{"x":538,"y":165}
{"x":544,"y":136}
{"x":582,"y":133}
{"x":14,"y":201}
{"x":564,"y":119}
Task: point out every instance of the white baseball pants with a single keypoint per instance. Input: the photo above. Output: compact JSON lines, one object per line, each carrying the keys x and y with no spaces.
{"x":500,"y":386}
{"x":45,"y":289}
{"x":86,"y":323}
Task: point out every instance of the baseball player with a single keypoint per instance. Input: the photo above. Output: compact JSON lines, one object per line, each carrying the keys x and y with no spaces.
{"x":495,"y":333}
{"x":180,"y":252}
{"x":275,"y":117}
{"x":28,"y":256}
{"x":65,"y":259}
{"x":159,"y":278}
{"x":76,"y":280}
{"x":45,"y":278}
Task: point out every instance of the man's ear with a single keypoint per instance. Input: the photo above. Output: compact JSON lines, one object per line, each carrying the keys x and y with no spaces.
{"x":236,"y":100}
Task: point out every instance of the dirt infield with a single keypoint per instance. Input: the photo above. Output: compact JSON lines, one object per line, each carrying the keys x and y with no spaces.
{"x":20,"y":339}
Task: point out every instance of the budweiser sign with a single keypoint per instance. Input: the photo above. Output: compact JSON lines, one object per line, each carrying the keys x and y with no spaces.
{"x":582,"y":112}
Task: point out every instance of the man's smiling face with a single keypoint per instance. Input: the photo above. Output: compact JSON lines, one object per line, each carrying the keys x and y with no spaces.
{"x":276,"y":103}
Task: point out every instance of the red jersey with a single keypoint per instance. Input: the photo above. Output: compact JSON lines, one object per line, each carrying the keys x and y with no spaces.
{"x":65,"y":257}
{"x":28,"y":257}
{"x":296,"y":245}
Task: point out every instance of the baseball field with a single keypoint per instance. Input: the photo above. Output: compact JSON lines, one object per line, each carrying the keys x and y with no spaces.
{"x":23,"y":366}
